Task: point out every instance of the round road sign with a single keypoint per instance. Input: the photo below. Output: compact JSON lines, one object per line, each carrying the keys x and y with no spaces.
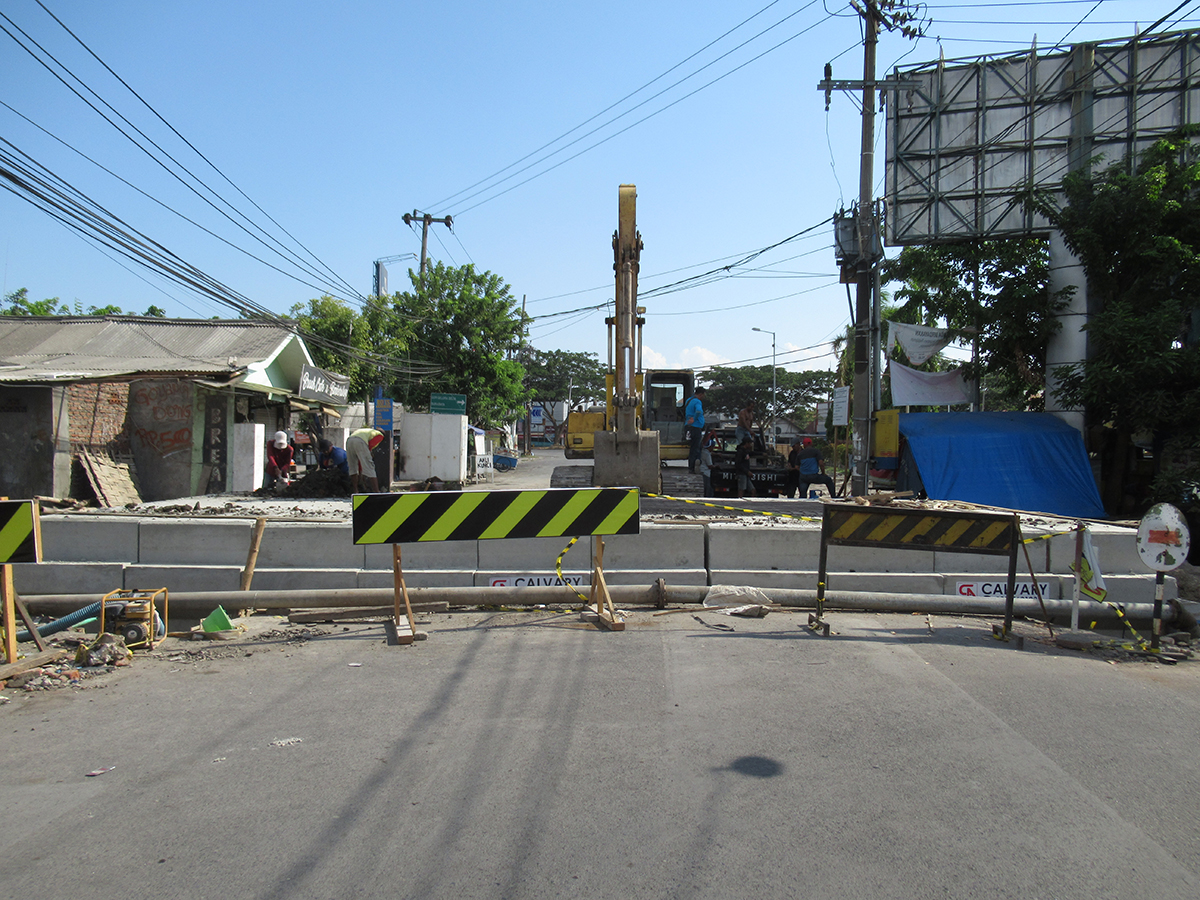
{"x":1162,"y":538}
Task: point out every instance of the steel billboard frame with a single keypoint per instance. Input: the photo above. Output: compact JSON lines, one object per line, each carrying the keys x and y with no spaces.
{"x":967,"y":139}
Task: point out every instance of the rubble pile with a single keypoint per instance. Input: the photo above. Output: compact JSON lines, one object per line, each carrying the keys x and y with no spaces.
{"x":315,"y":485}
{"x":58,"y":675}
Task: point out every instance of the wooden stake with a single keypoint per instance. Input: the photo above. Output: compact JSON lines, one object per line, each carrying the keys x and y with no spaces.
{"x":28,"y":620}
{"x":400,"y":590}
{"x":252,"y":559}
{"x":10,"y":618}
{"x":600,"y":597}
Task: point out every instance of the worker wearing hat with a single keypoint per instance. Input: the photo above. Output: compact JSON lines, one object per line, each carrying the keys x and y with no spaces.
{"x":358,"y":452}
{"x":280,"y":459}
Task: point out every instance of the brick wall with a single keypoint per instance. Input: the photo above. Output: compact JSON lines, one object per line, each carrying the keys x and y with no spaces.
{"x":96,"y":413}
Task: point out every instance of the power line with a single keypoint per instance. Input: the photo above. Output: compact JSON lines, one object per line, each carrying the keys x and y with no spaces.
{"x":633,"y":125}
{"x":346,"y":285}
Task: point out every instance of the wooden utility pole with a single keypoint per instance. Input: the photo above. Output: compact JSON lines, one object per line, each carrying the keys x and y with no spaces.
{"x":426,"y":220}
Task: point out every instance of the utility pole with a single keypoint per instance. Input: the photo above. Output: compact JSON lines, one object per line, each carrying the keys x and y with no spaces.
{"x":869,"y":246}
{"x":426,"y":220}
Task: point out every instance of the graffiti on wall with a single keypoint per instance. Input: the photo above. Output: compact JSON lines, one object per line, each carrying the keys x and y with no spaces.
{"x":162,"y":411}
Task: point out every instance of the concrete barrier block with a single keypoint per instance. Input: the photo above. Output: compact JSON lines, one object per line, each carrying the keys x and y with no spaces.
{"x":1125,"y":588}
{"x":219,"y":542}
{"x":534,"y":555}
{"x":1116,"y":548}
{"x":996,"y":585}
{"x":875,"y":559}
{"x":84,"y":538}
{"x":647,"y":577}
{"x":665,"y":548}
{"x":183,"y":578}
{"x":981,"y":564}
{"x":68,"y":578}
{"x":302,"y":580}
{"x":449,"y":555}
{"x":309,"y":545}
{"x":783,"y":547}
{"x":545,"y":578}
{"x":373,"y":578}
{"x":801,"y":580}
{"x":788,"y":579}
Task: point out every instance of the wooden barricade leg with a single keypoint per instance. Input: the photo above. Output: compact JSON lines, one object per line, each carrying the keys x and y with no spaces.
{"x":405,"y":633}
{"x":10,"y":615}
{"x":601,"y":599}
{"x":28,"y":620}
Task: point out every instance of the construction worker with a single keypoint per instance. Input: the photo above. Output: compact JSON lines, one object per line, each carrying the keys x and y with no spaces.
{"x":358,"y":452}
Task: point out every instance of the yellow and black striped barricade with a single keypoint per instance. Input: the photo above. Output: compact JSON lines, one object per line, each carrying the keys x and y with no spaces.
{"x":20,"y":542}
{"x":482,"y":515}
{"x":900,"y":528}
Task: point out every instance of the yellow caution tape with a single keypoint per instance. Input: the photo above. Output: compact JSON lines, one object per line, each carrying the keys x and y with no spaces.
{"x":753,"y":512}
{"x":558,"y":569}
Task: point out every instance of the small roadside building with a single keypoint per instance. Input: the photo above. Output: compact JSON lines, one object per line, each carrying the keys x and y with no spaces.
{"x":186,"y":405}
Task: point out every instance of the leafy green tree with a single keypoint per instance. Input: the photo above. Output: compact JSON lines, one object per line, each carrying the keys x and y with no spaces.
{"x":796,"y":393}
{"x":466,"y":325}
{"x":342,"y":341}
{"x":552,"y":376}
{"x":17,"y":303}
{"x":996,"y":290}
{"x":1136,"y":230}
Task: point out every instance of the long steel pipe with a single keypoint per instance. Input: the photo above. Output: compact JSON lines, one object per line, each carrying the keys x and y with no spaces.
{"x":623,"y":595}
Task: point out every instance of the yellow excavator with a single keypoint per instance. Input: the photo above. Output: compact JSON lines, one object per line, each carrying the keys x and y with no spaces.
{"x":641,"y":423}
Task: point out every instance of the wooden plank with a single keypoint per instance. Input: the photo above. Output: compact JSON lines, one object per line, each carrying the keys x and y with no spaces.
{"x":113,"y":482}
{"x":404,"y":634}
{"x":31,"y":662}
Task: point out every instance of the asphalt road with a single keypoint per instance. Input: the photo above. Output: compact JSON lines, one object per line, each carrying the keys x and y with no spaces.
{"x":528,"y":755}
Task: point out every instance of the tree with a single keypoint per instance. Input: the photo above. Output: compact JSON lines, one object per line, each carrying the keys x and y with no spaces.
{"x":465,"y":324}
{"x":1136,"y":231}
{"x":19,"y":304}
{"x":552,"y":376}
{"x":342,"y":341}
{"x":1013,"y":314}
{"x":796,"y":393}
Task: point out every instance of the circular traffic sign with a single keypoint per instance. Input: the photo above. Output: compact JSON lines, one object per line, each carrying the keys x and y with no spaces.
{"x":1162,"y":538}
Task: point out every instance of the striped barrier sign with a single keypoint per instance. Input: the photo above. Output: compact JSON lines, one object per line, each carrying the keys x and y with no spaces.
{"x":916,"y":529}
{"x":483,"y":515}
{"x":902,"y":528}
{"x":20,"y":532}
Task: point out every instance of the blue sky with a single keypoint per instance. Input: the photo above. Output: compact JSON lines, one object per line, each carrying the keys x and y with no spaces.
{"x":333,"y":120}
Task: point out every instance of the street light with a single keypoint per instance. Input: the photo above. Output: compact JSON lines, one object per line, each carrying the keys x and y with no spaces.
{"x":772,"y":334}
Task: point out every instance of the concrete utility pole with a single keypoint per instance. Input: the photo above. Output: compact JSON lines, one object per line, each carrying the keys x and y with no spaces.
{"x":889,"y":13}
{"x":426,"y":220}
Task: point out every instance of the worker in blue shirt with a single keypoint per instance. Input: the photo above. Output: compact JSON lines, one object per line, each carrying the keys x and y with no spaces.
{"x":334,"y":458}
{"x":693,"y":426}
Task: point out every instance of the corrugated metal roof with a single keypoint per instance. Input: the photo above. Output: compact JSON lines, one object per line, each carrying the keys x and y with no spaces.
{"x":75,"y":348}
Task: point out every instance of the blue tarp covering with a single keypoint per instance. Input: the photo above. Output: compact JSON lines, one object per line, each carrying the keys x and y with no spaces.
{"x":1028,"y":461}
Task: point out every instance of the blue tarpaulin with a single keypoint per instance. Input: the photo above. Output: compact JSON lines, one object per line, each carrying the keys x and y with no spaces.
{"x":1027,"y":461}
